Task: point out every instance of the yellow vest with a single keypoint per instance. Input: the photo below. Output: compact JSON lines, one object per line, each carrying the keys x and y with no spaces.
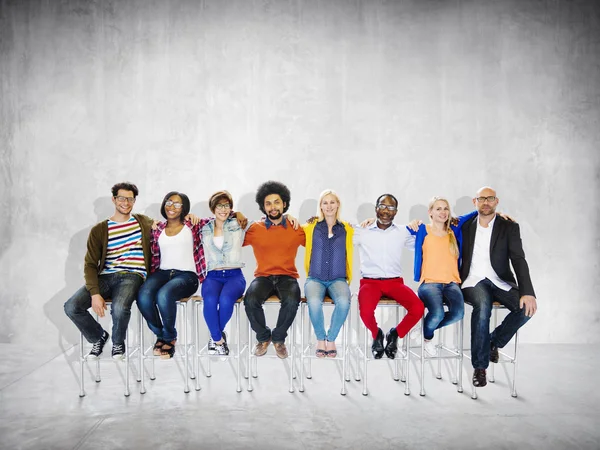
{"x":309,"y":229}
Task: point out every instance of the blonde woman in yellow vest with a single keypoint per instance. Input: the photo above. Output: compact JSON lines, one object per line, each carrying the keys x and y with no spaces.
{"x":328,"y":264}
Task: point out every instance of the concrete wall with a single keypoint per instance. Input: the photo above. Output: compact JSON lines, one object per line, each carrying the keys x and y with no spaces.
{"x":416,"y":98}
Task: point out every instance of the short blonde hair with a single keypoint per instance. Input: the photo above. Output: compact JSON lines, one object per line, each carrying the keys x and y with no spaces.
{"x":453,"y":244}
{"x":325,"y":193}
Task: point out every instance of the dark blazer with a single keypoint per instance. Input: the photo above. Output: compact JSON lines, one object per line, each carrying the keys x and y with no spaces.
{"x":505,"y":247}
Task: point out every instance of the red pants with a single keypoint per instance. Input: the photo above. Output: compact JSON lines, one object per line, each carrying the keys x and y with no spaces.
{"x":371,"y":291}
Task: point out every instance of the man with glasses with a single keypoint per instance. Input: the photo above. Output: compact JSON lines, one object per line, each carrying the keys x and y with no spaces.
{"x":116,"y":263}
{"x":490,"y":244}
{"x":380,"y":245}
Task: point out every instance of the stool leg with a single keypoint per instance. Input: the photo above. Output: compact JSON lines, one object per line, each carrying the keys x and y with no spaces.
{"x":406,"y":346}
{"x":344,"y":368}
{"x":513,"y":390}
{"x":397,"y":358}
{"x":491,"y":376}
{"x":365,"y":345}
{"x":142,"y":375}
{"x":357,"y":373}
{"x":196,"y":331}
{"x":292,"y":347}
{"x":459,"y":363}
{"x":310,"y":334}
{"x":98,"y":379}
{"x":127,"y":393}
{"x":302,"y":331}
{"x":81,"y":361}
{"x":438,"y":375}
{"x":346,"y":344}
{"x":422,"y":392}
{"x":249,"y":368}
{"x":185,"y":350}
{"x":192,"y":341}
{"x":239,"y":346}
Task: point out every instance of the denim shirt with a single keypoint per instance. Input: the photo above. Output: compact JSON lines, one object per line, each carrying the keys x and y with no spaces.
{"x":231,"y":253}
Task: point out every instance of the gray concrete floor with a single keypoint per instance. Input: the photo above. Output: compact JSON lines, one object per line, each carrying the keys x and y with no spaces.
{"x":557,"y":407}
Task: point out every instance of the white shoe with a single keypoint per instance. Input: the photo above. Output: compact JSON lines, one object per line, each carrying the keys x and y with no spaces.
{"x":415,"y":333}
{"x":430,"y":348}
{"x":212,"y":347}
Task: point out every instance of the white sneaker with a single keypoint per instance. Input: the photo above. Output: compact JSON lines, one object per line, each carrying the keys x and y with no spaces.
{"x":212,"y":347}
{"x":415,"y":333}
{"x":430,"y":348}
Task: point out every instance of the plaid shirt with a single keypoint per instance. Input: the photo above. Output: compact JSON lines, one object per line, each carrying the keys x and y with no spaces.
{"x":198,"y":248}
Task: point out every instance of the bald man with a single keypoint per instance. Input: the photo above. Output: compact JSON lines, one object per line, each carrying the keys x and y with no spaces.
{"x":490,"y":244}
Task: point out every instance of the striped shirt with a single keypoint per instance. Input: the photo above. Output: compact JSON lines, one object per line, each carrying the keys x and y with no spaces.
{"x":124,"y":251}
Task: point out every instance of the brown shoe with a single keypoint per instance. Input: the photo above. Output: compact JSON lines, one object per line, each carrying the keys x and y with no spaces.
{"x":261,"y":348}
{"x":281,"y":350}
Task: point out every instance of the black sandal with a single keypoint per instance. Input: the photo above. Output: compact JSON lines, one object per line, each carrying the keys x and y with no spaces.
{"x":168,"y":350}
{"x":157,"y":347}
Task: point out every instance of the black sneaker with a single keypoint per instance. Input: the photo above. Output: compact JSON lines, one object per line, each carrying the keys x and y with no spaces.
{"x":494,"y":354}
{"x":97,"y":348}
{"x":222,"y":349}
{"x":224,"y":336}
{"x":118,"y":351}
{"x":377,"y":347}
{"x":391,"y":347}
{"x":479,"y":378}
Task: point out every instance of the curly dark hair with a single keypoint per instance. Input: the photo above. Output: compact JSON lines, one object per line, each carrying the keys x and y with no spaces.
{"x":185,"y":208}
{"x":127,"y":186}
{"x":386,"y":195}
{"x":273,"y":187}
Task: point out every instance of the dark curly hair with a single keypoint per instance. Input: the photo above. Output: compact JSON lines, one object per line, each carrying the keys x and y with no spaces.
{"x":185,"y":208}
{"x":126,"y":186}
{"x":386,"y":195}
{"x":273,"y":187}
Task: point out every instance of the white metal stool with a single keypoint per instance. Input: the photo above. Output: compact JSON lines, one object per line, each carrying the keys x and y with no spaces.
{"x":505,"y":358}
{"x":129,"y":352}
{"x":402,"y":355}
{"x":234,"y":353}
{"x":252,"y":364}
{"x":148,"y":352}
{"x":444,"y":353}
{"x":306,"y":352}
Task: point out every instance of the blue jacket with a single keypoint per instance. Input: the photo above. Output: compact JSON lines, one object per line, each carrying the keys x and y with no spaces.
{"x":420,"y":239}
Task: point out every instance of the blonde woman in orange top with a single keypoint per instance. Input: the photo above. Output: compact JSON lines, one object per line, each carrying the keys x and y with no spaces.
{"x":437,"y":254}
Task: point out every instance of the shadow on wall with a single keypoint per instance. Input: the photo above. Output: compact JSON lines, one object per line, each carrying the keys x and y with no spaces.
{"x":53,"y":308}
{"x":464,"y":205}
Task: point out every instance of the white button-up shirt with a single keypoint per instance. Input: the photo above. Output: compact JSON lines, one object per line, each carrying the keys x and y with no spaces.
{"x":381,"y":250}
{"x":481,"y":264}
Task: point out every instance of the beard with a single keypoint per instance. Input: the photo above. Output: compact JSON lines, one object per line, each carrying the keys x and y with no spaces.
{"x":275,"y":215}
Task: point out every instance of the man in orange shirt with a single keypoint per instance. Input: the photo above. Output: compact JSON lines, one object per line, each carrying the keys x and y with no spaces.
{"x":275,"y":244}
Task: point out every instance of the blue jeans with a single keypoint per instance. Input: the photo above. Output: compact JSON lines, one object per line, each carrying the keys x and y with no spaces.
{"x":433,"y":296}
{"x":220,"y":291}
{"x":121,"y":288}
{"x":158,"y":297}
{"x":481,"y":297}
{"x":339,"y":291}
{"x":261,"y":288}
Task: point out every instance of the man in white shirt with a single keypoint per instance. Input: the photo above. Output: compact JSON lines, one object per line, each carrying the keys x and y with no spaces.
{"x":380,"y":246}
{"x":490,"y":244}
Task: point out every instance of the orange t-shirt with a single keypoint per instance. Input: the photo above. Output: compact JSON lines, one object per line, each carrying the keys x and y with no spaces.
{"x":439,"y":263}
{"x":275,"y":248}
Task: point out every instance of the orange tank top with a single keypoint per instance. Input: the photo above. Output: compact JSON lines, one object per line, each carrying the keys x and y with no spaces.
{"x":439,"y":263}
